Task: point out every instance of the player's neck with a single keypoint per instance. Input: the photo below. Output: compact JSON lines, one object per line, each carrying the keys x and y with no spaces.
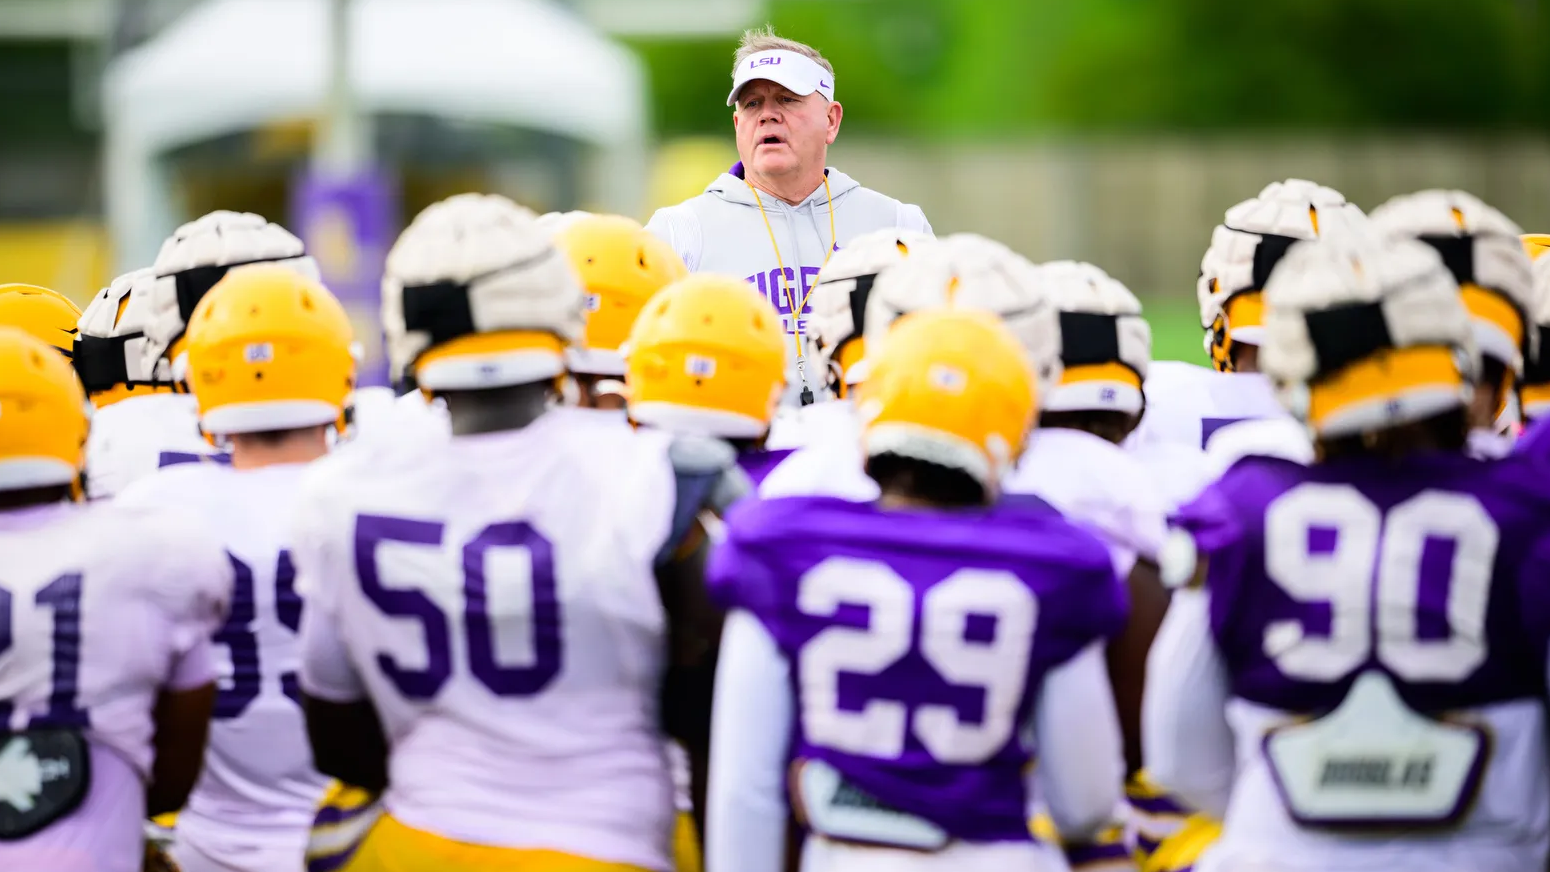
{"x":258,"y":450}
{"x":790,"y":189}
{"x":498,"y":409}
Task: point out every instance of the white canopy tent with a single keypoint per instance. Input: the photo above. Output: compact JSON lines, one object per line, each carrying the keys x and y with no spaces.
{"x":235,"y":65}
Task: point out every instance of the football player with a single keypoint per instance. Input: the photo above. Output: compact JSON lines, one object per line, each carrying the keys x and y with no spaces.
{"x":491,"y":616}
{"x":1484,"y":251}
{"x":707,"y":359}
{"x":270,"y":366}
{"x":975,"y":271}
{"x":1352,"y":675}
{"x":621,"y":266}
{"x":139,"y":424}
{"x":1188,"y":404}
{"x":1075,"y":462}
{"x":839,"y":304}
{"x":106,"y":668}
{"x":47,"y":315}
{"x":148,"y":314}
{"x":906,"y":738}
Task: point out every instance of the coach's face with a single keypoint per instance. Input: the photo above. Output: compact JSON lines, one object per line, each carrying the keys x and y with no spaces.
{"x":780,"y":133}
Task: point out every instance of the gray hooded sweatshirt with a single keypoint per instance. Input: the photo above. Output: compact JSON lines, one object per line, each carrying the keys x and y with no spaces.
{"x":721,"y":231}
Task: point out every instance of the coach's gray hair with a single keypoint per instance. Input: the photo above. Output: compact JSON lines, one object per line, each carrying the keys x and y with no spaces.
{"x":763,"y":38}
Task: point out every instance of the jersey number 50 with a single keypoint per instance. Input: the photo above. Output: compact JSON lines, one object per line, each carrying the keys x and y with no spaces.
{"x":540,"y":627}
{"x":1363,"y":548}
{"x":998,"y":667}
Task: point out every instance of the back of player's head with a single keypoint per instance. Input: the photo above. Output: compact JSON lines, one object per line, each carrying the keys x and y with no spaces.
{"x":1245,"y":248}
{"x":43,"y":415}
{"x":476,"y":297}
{"x":269,"y":350}
{"x":45,"y":314}
{"x":196,"y":256}
{"x":952,"y":388}
{"x":706,"y":356}
{"x":1367,"y":333}
{"x":1484,"y":250}
{"x":1105,"y":344}
{"x":110,"y":349}
{"x":840,"y":293}
{"x":969,"y":271}
{"x":620,"y":266}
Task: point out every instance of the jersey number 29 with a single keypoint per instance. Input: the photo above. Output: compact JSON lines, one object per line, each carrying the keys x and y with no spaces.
{"x":998,"y":666}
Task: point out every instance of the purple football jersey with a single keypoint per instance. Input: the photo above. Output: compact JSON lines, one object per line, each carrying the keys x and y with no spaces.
{"x":918,"y":641}
{"x":1432,"y":569}
{"x":760,"y":462}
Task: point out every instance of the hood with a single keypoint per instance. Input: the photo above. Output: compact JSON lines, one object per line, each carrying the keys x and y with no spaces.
{"x":731,"y":187}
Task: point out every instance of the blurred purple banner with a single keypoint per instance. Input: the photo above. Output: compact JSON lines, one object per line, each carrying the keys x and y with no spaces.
{"x":348,"y":224}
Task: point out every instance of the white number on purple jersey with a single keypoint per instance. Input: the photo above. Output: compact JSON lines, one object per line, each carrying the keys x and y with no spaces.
{"x":1327,"y":543}
{"x":999,"y":667}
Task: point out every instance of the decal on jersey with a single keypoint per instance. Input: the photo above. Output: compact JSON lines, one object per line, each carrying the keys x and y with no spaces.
{"x":1209,"y":426}
{"x":174,"y":458}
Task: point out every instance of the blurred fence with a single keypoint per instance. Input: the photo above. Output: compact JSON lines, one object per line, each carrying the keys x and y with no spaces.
{"x":1143,"y":208}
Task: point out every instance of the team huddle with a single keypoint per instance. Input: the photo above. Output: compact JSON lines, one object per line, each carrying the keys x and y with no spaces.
{"x":586,"y":594}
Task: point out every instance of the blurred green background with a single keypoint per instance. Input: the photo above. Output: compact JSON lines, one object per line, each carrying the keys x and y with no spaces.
{"x":1116,"y":131}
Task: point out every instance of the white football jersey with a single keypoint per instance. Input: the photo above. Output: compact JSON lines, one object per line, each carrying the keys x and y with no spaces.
{"x":494,"y":597}
{"x":1186,"y":403}
{"x":827,"y":460}
{"x":1098,"y":484}
{"x":256,"y":798}
{"x":104,"y":608}
{"x":135,"y":437}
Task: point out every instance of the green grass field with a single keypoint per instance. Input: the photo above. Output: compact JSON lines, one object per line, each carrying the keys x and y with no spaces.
{"x":1175,"y":328}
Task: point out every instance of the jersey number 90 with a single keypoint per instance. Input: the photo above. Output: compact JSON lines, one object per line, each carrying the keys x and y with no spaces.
{"x":528,"y":568}
{"x":1327,"y":543}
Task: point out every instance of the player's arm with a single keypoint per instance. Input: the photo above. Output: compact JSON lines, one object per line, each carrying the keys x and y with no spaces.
{"x":196,"y":590}
{"x":1184,"y":732}
{"x":750,"y":738}
{"x":706,"y":481}
{"x":1127,"y":652}
{"x":1080,"y":771}
{"x":182,"y":725}
{"x":342,"y":725}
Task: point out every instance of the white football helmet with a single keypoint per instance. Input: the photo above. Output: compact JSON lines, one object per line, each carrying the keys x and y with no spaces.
{"x":554,"y":222}
{"x":110,"y":346}
{"x":1248,"y":244}
{"x":1484,"y":250}
{"x":1106,"y":345}
{"x":196,"y":256}
{"x":1366,"y":332}
{"x":1534,"y":387}
{"x":839,"y":297}
{"x":970,"y":271}
{"x":475,"y":296}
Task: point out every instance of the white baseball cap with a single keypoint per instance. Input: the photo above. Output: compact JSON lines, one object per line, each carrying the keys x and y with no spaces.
{"x":797,"y":73}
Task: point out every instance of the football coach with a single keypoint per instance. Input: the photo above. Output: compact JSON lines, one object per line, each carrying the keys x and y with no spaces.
{"x":779,"y":212}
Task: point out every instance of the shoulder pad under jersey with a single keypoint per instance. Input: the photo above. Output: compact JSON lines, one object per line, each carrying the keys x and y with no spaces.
{"x":706,"y":477}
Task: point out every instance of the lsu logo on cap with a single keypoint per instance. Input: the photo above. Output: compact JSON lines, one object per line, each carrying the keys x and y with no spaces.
{"x":258,"y":352}
{"x":767,"y":61}
{"x":699,"y":367}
